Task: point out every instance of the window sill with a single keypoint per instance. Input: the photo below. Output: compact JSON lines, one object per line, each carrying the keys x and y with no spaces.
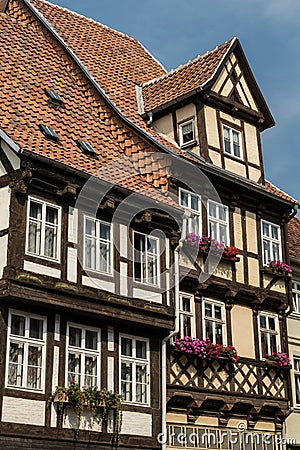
{"x":189,"y":144}
{"x":43,"y":258}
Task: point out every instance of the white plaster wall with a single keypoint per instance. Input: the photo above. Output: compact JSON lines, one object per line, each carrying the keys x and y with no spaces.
{"x":2,"y":169}
{"x":4,"y":207}
{"x":147,"y":295}
{"x":86,"y":423}
{"x":11,"y":155}
{"x":110,"y":339}
{"x":72,"y":265}
{"x":42,"y":270}
{"x":3,"y":253}
{"x":24,"y":411}
{"x":123,"y":240}
{"x":73,"y":225}
{"x":137,"y":424}
{"x":110,"y":373}
{"x":123,"y":278}
{"x":55,"y":367}
{"x":99,"y":284}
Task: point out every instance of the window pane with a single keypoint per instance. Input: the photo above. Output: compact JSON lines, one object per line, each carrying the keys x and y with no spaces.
{"x":213,"y":230}
{"x":90,"y":227}
{"x":186,"y":304}
{"x":104,"y":258}
{"x":263,"y":321}
{"x":91,"y":340}
{"x":34,"y":237}
{"x":223,"y":213}
{"x":105,"y":231}
{"x":51,"y":215}
{"x":195,"y":225}
{"x":90,"y":371}
{"x":195,"y":202}
{"x":227,"y":146}
{"x":75,"y":335}
{"x":50,"y":242}
{"x":184,"y":199}
{"x":36,"y":329}
{"x":141,"y":349}
{"x":274,"y":231}
{"x":187,"y":132}
{"x":271,"y":323}
{"x":34,"y":367}
{"x":74,"y":368}
{"x":218,"y":312}
{"x":266,"y":231}
{"x":264,"y":344}
{"x":187,"y":325}
{"x":226,"y":132}
{"x":297,"y":388}
{"x":212,"y":209}
{"x":276,"y":254}
{"x":209,"y":332}
{"x":223,"y":233}
{"x":15,"y":367}
{"x":126,"y":381}
{"x":208,"y":310}
{"x":17,"y":325}
{"x":126,"y":347}
{"x":35,"y":211}
{"x":90,"y":253}
{"x":141,"y":384}
{"x":273,"y":342}
{"x":267,"y":251}
{"x":219,"y":333}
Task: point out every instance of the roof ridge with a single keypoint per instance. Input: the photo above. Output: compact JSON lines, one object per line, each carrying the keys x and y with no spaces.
{"x":186,"y":64}
{"x":104,"y":26}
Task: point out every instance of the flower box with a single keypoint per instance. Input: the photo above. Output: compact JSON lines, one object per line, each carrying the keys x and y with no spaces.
{"x":208,"y":245}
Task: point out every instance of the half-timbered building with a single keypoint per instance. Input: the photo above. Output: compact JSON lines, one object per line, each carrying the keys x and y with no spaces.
{"x":88,"y":299}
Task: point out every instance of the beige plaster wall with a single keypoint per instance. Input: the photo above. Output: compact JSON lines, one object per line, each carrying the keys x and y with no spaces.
{"x":165,"y":126}
{"x":242,"y":331}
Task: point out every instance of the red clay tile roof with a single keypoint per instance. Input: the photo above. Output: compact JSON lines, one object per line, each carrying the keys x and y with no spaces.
{"x":294,"y":237}
{"x":276,"y":191}
{"x":32,"y":63}
{"x":184,"y":79}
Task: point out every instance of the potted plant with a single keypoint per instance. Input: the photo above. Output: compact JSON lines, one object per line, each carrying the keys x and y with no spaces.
{"x":280,"y":359}
{"x":205,"y":349}
{"x":279,"y":267}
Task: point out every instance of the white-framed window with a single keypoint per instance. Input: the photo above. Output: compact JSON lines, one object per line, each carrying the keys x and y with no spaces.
{"x":218,"y":221}
{"x":187,"y":132}
{"x":83,"y":355}
{"x":186,"y":315}
{"x":43,"y":229}
{"x":268,"y":333}
{"x":192,"y":202}
{"x":296,"y":368}
{"x":271,"y":240}
{"x":214,"y":321}
{"x":26,"y":351}
{"x":98,"y":249}
{"x":146,"y":258}
{"x":296,"y":297}
{"x":232,"y":141}
{"x":135,"y":369}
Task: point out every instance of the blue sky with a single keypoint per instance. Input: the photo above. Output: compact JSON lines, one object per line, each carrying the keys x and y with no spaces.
{"x":175,"y":31}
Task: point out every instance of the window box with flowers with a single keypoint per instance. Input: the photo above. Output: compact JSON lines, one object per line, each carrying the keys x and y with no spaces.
{"x":279,"y":268}
{"x":205,"y":349}
{"x":207,"y":244}
{"x":278,"y":359}
{"x":99,"y":402}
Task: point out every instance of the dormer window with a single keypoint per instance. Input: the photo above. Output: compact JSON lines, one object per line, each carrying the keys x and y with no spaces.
{"x":232,"y":141}
{"x":187,"y":133}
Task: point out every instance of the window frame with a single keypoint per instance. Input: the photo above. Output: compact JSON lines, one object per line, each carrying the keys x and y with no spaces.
{"x":275,"y":332}
{"x":27,"y":341}
{"x":43,"y":221}
{"x":218,"y":221}
{"x":296,"y":301}
{"x":296,"y":373}
{"x":189,"y":208}
{"x":135,"y":361}
{"x":83,"y":351}
{"x":183,"y":313}
{"x":222,"y":321}
{"x":158,"y":262}
{"x":271,"y":240}
{"x":180,"y":126}
{"x":239,"y":133}
{"x":98,"y":240}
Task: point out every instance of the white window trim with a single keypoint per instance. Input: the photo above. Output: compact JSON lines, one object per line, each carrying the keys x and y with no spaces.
{"x":277,"y":331}
{"x":44,"y":204}
{"x":180,"y":126}
{"x":27,"y":340}
{"x":98,"y":221}
{"x":219,"y":221}
{"x":83,"y":350}
{"x":135,"y":360}
{"x":185,"y":313}
{"x":294,"y":372}
{"x":223,"y":319}
{"x":197,"y":212}
{"x":231,"y":129}
{"x":158,"y":261}
{"x":296,"y":291}
{"x":263,"y":237}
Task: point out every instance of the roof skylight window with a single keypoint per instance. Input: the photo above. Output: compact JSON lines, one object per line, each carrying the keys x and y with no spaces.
{"x":54,"y":96}
{"x":86,"y":147}
{"x":49,"y":133}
